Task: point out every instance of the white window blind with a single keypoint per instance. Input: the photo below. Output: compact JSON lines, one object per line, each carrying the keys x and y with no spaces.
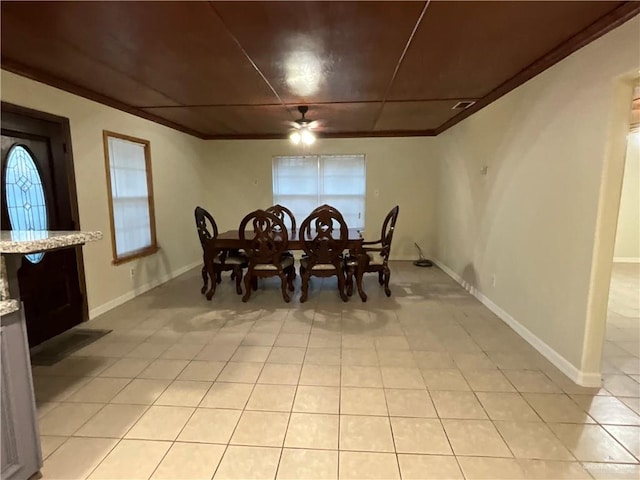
{"x":132,"y":222}
{"x":301,"y":183}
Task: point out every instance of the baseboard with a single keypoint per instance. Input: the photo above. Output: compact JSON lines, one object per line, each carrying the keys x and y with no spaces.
{"x":626,"y":260}
{"x":585,"y":379}
{"x":111,"y":304}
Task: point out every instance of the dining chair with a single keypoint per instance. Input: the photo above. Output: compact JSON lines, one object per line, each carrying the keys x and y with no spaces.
{"x":225,"y":261}
{"x":324,"y":235}
{"x":378,"y":252}
{"x":265,"y":240}
{"x":283,"y":213}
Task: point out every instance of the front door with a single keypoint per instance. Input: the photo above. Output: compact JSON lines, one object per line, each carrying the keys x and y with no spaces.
{"x":38,"y":193}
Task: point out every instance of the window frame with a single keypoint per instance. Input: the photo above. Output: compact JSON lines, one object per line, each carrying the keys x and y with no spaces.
{"x":318,"y":158}
{"x":153,"y":247}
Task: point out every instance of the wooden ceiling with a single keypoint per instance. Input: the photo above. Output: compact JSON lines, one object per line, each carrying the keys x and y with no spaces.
{"x":240,"y":69}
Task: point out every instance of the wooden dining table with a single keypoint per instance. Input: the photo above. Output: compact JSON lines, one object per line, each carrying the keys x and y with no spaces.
{"x":230,"y":240}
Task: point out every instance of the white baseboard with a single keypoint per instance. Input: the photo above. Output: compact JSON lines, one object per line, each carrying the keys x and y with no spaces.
{"x":111,"y":304}
{"x":585,"y":379}
{"x":626,"y":260}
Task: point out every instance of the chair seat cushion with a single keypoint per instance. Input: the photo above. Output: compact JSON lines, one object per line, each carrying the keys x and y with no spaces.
{"x":285,"y":262}
{"x":318,"y":266}
{"x":374,"y":259}
{"x":232,"y":260}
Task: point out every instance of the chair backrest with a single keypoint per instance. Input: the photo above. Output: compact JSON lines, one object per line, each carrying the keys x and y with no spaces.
{"x":264,"y":237}
{"x":388,"y":227}
{"x":322,"y":241}
{"x":283,"y":213}
{"x":202,"y":217}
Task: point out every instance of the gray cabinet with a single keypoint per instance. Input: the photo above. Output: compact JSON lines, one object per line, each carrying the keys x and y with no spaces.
{"x":21,"y":454}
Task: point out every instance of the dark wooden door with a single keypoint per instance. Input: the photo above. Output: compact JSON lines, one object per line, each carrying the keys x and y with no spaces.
{"x":51,"y":285}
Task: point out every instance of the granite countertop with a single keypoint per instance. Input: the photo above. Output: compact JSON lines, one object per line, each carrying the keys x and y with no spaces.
{"x":29,"y":241}
{"x":9,"y":306}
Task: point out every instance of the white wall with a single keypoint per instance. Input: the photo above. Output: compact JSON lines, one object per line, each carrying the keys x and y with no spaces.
{"x":178,"y":181}
{"x":628,"y":232}
{"x":402,"y":170}
{"x":530,"y":224}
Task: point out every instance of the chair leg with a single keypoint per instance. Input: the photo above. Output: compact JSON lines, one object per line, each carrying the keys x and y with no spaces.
{"x":304,"y":274}
{"x":237,"y":272}
{"x":205,"y":279}
{"x":387,"y":275}
{"x":247,"y":285}
{"x":349,"y":281}
{"x":283,"y":282}
{"x":380,"y":278}
{"x":341,"y":281}
{"x":359,"y":275}
{"x":291,"y":275}
{"x":212,"y":270}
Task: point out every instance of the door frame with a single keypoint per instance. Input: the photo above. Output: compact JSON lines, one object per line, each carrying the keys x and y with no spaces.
{"x":65,"y":129}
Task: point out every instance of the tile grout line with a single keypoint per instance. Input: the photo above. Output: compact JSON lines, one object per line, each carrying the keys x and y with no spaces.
{"x":295,"y":395}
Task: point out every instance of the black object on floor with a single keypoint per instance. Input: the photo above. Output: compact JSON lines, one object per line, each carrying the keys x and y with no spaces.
{"x":59,"y":347}
{"x":422,"y":262}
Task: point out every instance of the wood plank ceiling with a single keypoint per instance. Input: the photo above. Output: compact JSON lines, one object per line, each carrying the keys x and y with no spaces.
{"x":240,"y":69}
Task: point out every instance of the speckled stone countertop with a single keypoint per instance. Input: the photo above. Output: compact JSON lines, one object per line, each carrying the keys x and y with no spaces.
{"x":27,"y":241}
{"x":9,"y":306}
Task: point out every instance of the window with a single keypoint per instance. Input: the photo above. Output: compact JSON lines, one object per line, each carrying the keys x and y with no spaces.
{"x":24,"y":192}
{"x":130,"y":190}
{"x":301,"y":183}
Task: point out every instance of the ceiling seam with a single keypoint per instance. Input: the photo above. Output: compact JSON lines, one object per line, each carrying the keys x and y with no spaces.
{"x":246,"y":54}
{"x":293,"y":104}
{"x":395,"y":72}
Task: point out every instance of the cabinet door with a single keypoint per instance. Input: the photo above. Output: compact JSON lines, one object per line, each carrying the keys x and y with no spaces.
{"x":21,"y":455}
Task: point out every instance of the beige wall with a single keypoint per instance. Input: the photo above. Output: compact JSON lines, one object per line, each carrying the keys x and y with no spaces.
{"x":178,"y":182}
{"x":628,"y":232}
{"x":530,"y":223}
{"x":402,"y":170}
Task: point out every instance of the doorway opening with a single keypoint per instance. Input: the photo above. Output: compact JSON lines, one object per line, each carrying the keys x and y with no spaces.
{"x":621,"y":351}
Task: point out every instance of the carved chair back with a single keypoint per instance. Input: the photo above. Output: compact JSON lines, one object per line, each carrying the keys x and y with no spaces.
{"x":283,"y":213}
{"x":206,"y":225}
{"x":325,"y":235}
{"x":388,"y":228}
{"x":264,"y":237}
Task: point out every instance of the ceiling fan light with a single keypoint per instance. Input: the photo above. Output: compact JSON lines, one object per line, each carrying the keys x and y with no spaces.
{"x":295,"y":137}
{"x":307,"y":137}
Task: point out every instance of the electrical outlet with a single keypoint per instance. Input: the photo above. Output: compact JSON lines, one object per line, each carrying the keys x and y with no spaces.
{"x":132,"y":272}
{"x":493,"y":280}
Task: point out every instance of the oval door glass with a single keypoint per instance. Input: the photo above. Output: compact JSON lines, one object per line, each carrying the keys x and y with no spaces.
{"x":23,"y":188}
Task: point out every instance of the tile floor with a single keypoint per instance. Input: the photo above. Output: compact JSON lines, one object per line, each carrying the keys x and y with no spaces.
{"x":426,"y":384}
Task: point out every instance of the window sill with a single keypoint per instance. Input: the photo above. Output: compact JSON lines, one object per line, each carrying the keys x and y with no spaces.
{"x":135,"y":255}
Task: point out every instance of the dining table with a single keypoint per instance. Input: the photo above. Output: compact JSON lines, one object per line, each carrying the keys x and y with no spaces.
{"x":230,"y":240}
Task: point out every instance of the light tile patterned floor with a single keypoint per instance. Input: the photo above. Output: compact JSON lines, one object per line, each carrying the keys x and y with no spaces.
{"x":425,"y":384}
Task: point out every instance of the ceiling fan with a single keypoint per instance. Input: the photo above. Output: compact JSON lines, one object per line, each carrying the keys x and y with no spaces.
{"x":302,"y":128}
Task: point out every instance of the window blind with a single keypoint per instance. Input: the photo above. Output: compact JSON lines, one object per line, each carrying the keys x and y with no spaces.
{"x":301,"y":183}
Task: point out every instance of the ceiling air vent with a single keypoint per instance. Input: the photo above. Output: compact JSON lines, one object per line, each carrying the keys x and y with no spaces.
{"x":463,"y":105}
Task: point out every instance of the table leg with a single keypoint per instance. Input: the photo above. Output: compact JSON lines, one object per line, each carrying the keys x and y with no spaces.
{"x":363,"y":261}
